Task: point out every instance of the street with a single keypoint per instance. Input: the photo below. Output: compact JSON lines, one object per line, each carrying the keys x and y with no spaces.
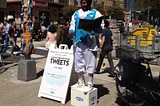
{"x":20,"y":93}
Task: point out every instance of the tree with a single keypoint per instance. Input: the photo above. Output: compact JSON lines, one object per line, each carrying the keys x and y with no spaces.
{"x":68,"y":11}
{"x":116,"y":13}
{"x":149,"y":7}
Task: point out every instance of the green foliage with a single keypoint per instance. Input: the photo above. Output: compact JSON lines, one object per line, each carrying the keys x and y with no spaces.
{"x":68,"y":11}
{"x":152,"y":5}
{"x":143,"y":4}
{"x":116,"y":13}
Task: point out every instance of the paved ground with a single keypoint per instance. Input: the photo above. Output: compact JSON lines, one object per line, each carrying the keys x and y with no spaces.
{"x":20,"y":93}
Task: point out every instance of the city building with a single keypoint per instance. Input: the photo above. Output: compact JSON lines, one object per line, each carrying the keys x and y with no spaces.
{"x":130,"y":5}
{"x":131,"y":10}
{"x":50,"y":8}
{"x":110,"y":3}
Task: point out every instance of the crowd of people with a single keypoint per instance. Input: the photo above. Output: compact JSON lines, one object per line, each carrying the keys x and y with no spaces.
{"x":8,"y":34}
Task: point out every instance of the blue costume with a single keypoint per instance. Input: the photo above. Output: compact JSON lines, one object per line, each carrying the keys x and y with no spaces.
{"x":84,"y":55}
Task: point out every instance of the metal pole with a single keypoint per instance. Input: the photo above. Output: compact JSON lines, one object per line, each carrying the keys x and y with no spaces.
{"x":148,"y":11}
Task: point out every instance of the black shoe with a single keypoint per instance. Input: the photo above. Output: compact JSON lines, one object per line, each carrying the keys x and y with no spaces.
{"x":97,"y":72}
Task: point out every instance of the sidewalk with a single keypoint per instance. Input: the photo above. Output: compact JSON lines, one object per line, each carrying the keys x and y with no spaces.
{"x":19,"y":93}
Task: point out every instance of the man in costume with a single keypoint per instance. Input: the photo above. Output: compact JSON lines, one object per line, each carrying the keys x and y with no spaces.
{"x":85,"y":46}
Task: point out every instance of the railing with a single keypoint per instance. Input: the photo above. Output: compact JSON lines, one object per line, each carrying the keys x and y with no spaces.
{"x":148,"y":45}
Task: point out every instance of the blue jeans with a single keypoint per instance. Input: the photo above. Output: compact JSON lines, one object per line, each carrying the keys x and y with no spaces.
{"x":6,"y":40}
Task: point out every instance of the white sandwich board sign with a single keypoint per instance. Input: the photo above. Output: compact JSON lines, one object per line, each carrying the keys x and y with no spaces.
{"x":57,"y":73}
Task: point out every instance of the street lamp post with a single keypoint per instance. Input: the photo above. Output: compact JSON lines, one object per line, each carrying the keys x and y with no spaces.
{"x":148,"y":11}
{"x":27,"y":66}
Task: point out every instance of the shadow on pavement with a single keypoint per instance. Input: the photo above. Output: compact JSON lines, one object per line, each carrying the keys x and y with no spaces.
{"x":106,"y":70}
{"x":40,"y":73}
{"x":5,"y":66}
{"x":41,"y":52}
{"x":120,"y":102}
{"x":101,"y":90}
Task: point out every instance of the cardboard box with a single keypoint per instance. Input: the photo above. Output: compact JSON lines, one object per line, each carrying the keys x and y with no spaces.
{"x":81,"y":98}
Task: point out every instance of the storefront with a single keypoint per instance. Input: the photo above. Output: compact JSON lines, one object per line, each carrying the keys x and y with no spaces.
{"x":46,"y":11}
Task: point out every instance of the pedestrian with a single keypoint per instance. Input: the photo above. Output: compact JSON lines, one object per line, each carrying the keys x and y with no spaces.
{"x":51,"y":23}
{"x":85,"y":52}
{"x":130,"y":27}
{"x":36,"y":25}
{"x":7,"y":26}
{"x":51,"y":37}
{"x":106,"y":48}
{"x":36,"y":28}
{"x":2,"y":32}
{"x":43,"y":30}
{"x":123,"y":33}
{"x":62,"y":34}
{"x":12,"y":37}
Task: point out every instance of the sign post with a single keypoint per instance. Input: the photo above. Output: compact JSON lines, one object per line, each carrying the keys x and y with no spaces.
{"x":57,"y":74}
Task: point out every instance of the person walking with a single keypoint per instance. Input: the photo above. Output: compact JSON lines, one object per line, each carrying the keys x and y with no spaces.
{"x":106,"y":47}
{"x":2,"y":32}
{"x":85,"y":52}
{"x":12,"y":37}
{"x":7,"y":26}
{"x":51,"y":37}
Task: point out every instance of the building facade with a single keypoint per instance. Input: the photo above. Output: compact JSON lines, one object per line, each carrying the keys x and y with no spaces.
{"x":44,"y":9}
{"x":48,"y":9}
{"x":111,"y":3}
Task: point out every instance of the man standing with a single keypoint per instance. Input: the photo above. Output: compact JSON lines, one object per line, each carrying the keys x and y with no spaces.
{"x":84,"y":51}
{"x":62,"y":34}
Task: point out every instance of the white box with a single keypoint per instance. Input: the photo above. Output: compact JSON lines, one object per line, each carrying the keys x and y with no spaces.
{"x":80,"y":98}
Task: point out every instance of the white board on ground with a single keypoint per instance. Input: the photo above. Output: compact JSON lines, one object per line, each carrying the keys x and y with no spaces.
{"x":57,"y":73}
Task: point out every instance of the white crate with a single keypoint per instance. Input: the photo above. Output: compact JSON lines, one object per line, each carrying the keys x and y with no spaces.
{"x":81,"y":98}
